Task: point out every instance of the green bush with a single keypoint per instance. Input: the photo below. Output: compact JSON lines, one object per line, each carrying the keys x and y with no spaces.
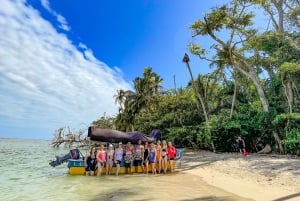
{"x":292,"y":141}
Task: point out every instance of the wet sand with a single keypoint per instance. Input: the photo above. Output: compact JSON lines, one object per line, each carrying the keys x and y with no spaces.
{"x":181,"y":186}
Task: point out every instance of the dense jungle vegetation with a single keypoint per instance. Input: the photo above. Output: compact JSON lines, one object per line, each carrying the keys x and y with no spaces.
{"x":252,"y":89}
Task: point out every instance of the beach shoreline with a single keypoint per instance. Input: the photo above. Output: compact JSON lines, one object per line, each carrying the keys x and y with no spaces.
{"x":258,"y":177}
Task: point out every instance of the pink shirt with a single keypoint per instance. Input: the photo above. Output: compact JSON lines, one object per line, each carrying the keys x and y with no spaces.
{"x":101,"y":156}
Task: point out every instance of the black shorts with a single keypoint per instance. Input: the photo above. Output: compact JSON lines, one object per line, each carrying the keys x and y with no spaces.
{"x":137,"y":162}
{"x":90,"y":168}
{"x":119,"y":162}
{"x":127,"y":165}
{"x":241,"y":147}
{"x":171,"y":159}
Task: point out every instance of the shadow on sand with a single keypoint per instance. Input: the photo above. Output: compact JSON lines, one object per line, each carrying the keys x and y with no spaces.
{"x":288,"y":197}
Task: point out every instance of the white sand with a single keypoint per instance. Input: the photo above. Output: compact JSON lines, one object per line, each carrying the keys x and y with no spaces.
{"x":257,"y":177}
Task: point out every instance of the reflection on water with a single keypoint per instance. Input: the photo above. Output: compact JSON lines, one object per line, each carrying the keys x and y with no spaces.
{"x":26,"y":175}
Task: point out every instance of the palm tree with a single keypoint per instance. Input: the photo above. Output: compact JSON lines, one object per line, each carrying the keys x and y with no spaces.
{"x":146,"y":89}
{"x":186,"y":60}
{"x":120,"y":98}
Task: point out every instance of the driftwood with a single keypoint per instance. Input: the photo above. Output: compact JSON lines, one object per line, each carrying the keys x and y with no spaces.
{"x":266,"y":150}
{"x":69,"y":138}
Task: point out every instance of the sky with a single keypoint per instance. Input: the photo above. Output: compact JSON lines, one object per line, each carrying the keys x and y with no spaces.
{"x":61,"y":62}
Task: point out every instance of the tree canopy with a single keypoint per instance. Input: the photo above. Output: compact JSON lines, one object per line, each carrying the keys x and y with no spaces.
{"x":252,"y":89}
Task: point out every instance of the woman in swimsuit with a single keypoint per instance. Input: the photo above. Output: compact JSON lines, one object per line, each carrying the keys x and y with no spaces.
{"x":164,"y":157}
{"x":158,"y":156}
{"x":90,"y":162}
{"x":152,"y":158}
{"x":146,"y":158}
{"x":109,"y":160}
{"x":118,"y":157}
{"x":101,"y":159}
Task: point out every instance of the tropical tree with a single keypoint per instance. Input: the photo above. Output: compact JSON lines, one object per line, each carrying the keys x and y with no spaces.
{"x":105,"y":122}
{"x":235,"y":24}
{"x":200,"y":98}
{"x":120,"y":98}
{"x":143,"y":98}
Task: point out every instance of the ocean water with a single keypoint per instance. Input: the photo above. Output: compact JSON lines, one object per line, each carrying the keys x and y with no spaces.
{"x":26,"y":175}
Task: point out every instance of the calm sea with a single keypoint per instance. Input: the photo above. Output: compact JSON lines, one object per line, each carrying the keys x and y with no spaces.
{"x":26,"y":175}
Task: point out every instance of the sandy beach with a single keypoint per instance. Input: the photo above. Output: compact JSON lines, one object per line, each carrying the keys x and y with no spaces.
{"x":257,"y":177}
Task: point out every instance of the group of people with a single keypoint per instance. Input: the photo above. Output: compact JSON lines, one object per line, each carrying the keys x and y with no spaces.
{"x":158,"y":155}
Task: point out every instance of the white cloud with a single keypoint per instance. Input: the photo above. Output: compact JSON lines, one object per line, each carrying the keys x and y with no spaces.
{"x":45,"y":81}
{"x":46,"y":5}
{"x":63,"y":22}
{"x":82,"y":46}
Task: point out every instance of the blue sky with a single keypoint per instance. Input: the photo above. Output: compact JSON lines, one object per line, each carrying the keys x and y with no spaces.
{"x":62,"y":61}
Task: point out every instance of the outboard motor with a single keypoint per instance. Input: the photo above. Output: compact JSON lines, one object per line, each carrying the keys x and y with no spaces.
{"x":73,"y":154}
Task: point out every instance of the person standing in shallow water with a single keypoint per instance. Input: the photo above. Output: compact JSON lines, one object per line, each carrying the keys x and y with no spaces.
{"x":90,"y":162}
{"x":158,"y":157}
{"x":118,"y":157}
{"x":109,"y":159}
{"x":164,"y":156}
{"x":171,"y":155}
{"x":101,"y":159}
{"x":138,"y":151}
{"x":146,"y":158}
{"x":152,"y":158}
{"x":128,"y":158}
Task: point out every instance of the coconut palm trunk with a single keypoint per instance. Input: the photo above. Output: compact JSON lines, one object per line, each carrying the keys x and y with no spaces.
{"x":186,"y":60}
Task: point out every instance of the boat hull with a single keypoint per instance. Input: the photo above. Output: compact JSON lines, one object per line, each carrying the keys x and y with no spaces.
{"x":76,"y":167}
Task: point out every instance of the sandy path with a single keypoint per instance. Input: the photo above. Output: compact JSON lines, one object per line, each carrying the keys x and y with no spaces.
{"x":256,"y":177}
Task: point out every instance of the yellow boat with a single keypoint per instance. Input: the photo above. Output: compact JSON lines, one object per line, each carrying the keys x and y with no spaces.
{"x":76,"y":167}
{"x":76,"y":163}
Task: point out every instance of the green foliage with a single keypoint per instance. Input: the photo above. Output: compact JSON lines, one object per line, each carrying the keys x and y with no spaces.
{"x":292,"y":141}
{"x":285,"y":118}
{"x":251,"y":124}
{"x":238,"y":56}
{"x":105,"y":122}
{"x":289,"y":125}
{"x":290,"y":68}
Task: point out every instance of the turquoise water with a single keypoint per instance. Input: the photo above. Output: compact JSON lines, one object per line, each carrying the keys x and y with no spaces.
{"x":26,"y":175}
